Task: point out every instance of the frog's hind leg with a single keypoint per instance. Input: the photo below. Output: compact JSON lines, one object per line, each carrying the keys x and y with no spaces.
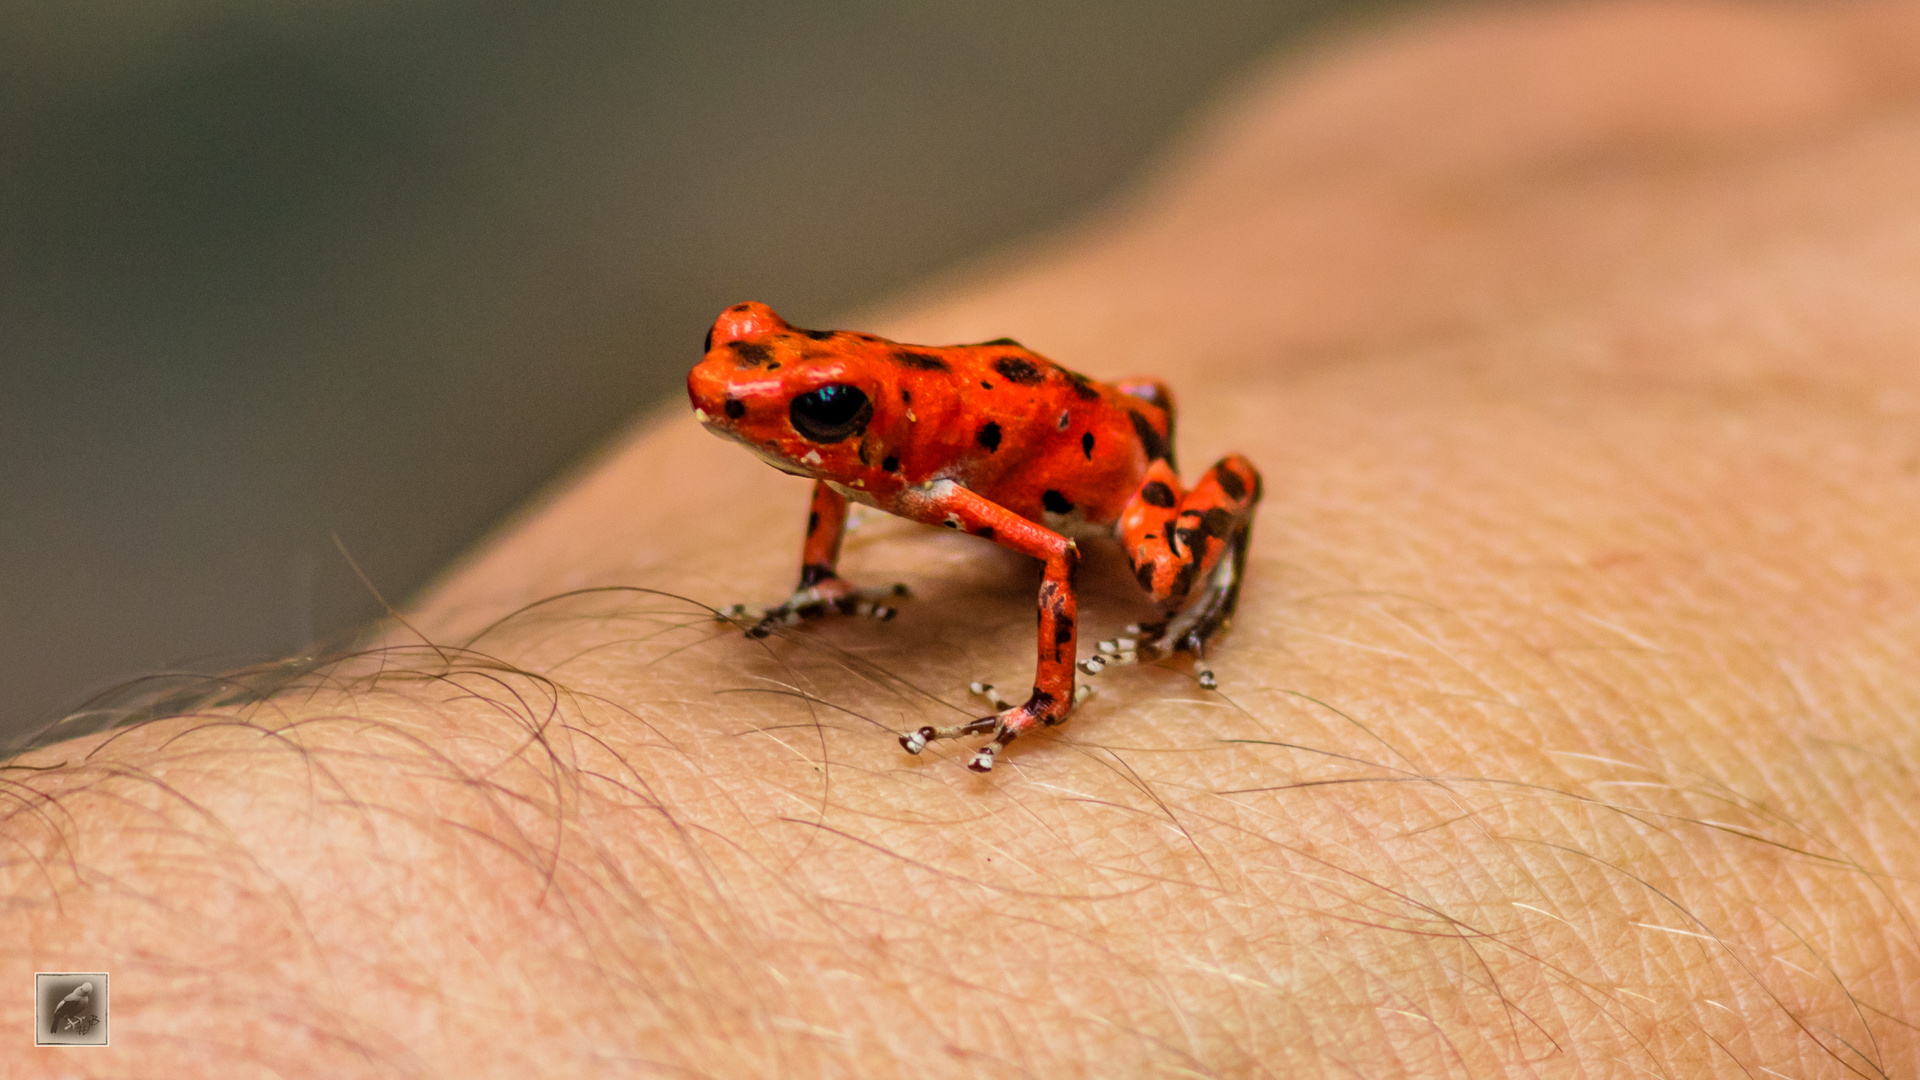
{"x":1174,"y":539}
{"x":1152,"y":391}
{"x":1207,"y":614}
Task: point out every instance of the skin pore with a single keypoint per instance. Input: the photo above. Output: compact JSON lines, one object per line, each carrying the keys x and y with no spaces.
{"x":1567,"y":727}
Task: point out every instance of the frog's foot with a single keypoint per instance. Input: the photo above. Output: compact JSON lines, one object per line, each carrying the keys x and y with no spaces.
{"x":830,"y":596}
{"x":1006,"y":724}
{"x":1188,"y":631}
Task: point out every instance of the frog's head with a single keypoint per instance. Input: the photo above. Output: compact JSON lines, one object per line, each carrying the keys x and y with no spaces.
{"x":801,"y":399}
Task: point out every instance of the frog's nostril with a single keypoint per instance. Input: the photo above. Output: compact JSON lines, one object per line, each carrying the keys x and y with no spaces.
{"x":735,"y":408}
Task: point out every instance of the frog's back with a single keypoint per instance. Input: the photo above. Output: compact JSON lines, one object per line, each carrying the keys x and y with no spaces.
{"x":1049,"y":443}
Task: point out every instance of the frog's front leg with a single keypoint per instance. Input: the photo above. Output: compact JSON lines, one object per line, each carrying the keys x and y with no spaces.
{"x":821,"y":590}
{"x":945,"y":502}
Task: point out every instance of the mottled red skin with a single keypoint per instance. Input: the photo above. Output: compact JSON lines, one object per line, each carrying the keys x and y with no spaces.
{"x":990,"y":438}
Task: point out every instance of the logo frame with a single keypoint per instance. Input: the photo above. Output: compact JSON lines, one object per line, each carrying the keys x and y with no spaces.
{"x":88,"y":1026}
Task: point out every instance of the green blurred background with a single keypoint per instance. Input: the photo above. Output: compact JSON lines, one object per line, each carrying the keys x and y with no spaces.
{"x":271,"y":272}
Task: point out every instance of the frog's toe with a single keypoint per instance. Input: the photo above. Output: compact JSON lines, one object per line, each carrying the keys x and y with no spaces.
{"x":766,"y":625}
{"x":866,"y":609}
{"x":742,"y":616}
{"x":869,"y":602}
{"x":989,"y":692}
{"x":915,"y":741}
{"x":1117,"y":651}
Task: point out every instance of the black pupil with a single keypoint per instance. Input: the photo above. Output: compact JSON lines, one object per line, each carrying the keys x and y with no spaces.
{"x":830,"y":413}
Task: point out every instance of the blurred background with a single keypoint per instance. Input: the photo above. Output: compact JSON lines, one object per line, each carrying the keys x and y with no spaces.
{"x":276,"y":272}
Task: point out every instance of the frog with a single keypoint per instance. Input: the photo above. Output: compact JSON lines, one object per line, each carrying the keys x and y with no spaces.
{"x":997,"y":441}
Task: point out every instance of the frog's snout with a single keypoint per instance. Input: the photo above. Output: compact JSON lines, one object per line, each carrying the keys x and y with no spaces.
{"x":713,"y":403}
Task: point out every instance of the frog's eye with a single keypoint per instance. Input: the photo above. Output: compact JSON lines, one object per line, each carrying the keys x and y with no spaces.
{"x":831,"y":413}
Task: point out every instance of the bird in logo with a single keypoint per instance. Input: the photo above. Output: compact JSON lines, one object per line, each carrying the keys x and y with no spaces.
{"x":73,"y":1006}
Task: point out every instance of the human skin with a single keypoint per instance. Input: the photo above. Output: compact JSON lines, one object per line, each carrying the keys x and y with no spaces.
{"x":1568,"y":726}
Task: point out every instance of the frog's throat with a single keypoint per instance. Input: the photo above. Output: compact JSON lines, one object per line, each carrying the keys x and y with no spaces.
{"x":760,"y":452}
{"x":778,"y":462}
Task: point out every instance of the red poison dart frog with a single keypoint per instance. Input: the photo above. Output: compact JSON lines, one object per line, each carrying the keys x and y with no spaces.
{"x":996,"y":441}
